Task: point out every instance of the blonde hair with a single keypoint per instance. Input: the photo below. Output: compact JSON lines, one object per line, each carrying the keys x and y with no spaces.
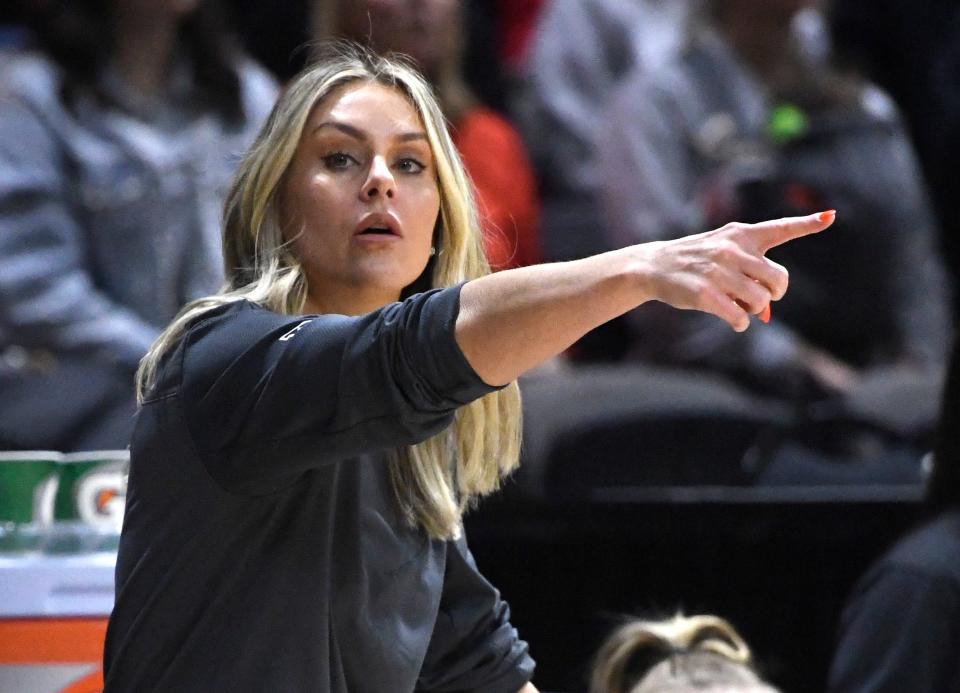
{"x":434,"y":481}
{"x":635,"y":649}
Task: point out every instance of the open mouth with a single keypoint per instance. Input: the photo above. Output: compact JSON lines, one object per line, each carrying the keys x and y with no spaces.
{"x":379,"y":225}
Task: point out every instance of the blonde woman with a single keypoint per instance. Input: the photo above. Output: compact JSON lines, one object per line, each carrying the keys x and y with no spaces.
{"x":685,"y":653}
{"x":308,"y":438}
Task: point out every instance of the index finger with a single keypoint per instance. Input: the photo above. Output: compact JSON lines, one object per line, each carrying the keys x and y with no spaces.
{"x":770,"y":234}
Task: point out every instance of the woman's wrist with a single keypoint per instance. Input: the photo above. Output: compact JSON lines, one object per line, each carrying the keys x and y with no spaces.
{"x":643,"y":272}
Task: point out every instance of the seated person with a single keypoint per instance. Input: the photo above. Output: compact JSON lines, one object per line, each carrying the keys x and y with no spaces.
{"x":736,"y":127}
{"x":431,"y":33}
{"x":119,"y":132}
{"x":685,"y":653}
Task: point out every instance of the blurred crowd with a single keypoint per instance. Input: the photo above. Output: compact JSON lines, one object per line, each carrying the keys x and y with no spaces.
{"x":585,"y":125}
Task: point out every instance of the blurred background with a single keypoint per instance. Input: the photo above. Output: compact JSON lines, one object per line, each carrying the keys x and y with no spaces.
{"x":669,"y":463}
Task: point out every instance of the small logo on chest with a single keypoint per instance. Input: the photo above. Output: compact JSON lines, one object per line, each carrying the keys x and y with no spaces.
{"x":290,"y":335}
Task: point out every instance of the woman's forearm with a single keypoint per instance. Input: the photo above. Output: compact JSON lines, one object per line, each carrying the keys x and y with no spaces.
{"x":511,"y":321}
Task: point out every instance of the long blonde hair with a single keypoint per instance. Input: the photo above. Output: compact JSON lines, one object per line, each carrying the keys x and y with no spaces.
{"x":434,"y":481}
{"x":633,"y":650}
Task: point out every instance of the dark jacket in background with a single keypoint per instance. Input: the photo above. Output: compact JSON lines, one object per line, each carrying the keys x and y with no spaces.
{"x":901,"y":628}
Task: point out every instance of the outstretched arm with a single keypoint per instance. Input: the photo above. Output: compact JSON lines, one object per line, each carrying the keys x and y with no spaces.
{"x":511,"y":321}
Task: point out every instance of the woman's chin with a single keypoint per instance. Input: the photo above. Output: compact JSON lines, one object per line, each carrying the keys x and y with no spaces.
{"x":388,"y":273}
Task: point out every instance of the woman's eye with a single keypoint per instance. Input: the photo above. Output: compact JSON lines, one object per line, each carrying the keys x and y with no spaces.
{"x":338,"y":160}
{"x":410,"y":166}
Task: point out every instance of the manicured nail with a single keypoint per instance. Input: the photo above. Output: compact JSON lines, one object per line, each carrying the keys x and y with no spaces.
{"x":764,"y":314}
{"x":828,"y":215}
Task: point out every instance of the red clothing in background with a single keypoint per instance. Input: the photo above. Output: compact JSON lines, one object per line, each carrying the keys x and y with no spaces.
{"x":516,"y":20}
{"x":505,"y":187}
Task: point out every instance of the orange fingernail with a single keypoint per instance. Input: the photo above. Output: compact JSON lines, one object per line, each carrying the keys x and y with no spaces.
{"x":764,"y":314}
{"x":828,"y":215}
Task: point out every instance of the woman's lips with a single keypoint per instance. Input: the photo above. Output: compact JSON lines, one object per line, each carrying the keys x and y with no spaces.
{"x":376,"y":238}
{"x":378,"y":226}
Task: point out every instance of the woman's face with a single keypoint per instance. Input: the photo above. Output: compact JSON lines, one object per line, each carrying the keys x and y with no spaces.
{"x":360,"y":199}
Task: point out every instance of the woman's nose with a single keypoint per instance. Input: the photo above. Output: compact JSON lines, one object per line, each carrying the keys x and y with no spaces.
{"x":380,"y":182}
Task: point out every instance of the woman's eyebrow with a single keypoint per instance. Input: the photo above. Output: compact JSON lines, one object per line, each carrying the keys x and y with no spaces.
{"x":358,"y":134}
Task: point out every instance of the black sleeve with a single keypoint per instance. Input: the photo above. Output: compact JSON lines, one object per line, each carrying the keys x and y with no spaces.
{"x":267,"y":396}
{"x":897,"y":634}
{"x":473,"y":646}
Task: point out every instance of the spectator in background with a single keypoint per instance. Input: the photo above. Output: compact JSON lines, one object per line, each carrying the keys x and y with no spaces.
{"x":737,"y":127}
{"x":685,"y":653}
{"x":119,"y":132}
{"x":900,"y":630}
{"x":580,"y":50}
{"x":431,"y":32}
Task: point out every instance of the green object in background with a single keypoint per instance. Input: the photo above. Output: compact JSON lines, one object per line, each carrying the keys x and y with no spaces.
{"x":92,"y":488}
{"x":28,"y":483}
{"x":57,"y":503}
{"x":90,"y":499}
{"x":787,"y":122}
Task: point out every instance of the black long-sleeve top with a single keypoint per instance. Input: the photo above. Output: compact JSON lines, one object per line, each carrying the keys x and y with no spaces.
{"x":900,"y":630}
{"x":262,"y":547}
